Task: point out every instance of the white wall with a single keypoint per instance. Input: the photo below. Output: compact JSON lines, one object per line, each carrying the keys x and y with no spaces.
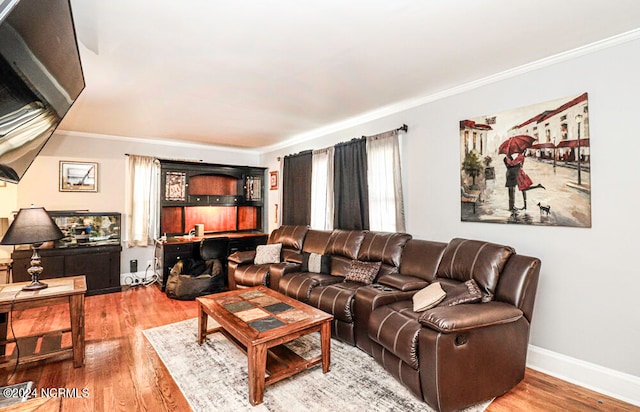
{"x":39,"y":186}
{"x":587,"y":301}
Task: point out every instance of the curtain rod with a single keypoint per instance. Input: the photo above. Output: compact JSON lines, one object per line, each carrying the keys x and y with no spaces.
{"x":403,"y":128}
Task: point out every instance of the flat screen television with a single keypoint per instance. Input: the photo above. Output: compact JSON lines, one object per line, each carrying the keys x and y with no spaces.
{"x":40,"y":78}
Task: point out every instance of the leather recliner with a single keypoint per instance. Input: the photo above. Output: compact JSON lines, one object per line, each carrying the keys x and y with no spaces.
{"x":339,"y":298}
{"x":418,"y":265}
{"x":451,"y":357}
{"x":243,"y":272}
{"x":456,"y":356}
{"x":343,"y":247}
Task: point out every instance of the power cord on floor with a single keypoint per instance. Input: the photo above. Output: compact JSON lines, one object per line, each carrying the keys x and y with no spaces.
{"x":13,"y":334}
{"x":135,"y":280}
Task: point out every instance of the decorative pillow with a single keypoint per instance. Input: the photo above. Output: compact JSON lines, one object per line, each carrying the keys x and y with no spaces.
{"x":428,"y":297}
{"x":316,"y":263}
{"x":363,"y":272}
{"x":467,"y":292}
{"x":268,"y":254}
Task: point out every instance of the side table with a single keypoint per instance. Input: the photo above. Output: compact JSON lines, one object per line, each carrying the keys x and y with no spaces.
{"x":70,"y":290}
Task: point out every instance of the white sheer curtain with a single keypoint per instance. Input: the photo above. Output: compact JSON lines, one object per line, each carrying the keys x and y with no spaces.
{"x":386,"y":206}
{"x":145,"y":209}
{"x":322,"y":189}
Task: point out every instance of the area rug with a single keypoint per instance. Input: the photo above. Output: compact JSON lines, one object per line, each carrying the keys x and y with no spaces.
{"x":213,"y":377}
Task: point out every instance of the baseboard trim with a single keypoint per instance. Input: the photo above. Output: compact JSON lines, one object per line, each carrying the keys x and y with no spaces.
{"x":607,"y":381}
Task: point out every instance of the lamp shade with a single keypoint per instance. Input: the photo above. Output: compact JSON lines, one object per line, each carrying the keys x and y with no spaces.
{"x":31,"y":225}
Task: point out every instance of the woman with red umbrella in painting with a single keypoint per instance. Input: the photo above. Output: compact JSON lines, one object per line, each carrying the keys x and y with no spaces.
{"x":514,"y":148}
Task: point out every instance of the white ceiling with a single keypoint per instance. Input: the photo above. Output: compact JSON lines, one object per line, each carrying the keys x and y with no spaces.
{"x":255,"y":73}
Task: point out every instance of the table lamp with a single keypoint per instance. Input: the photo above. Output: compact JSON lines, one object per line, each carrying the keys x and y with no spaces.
{"x":32,"y":226}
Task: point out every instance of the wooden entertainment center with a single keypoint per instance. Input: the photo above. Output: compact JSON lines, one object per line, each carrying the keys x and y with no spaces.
{"x":221,"y":197}
{"x":226,"y":200}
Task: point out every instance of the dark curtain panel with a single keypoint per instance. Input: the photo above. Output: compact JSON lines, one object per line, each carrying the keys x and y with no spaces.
{"x":351,"y":194}
{"x":296,"y":189}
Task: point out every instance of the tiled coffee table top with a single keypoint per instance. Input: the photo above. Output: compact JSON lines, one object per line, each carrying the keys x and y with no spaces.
{"x":261,"y":311}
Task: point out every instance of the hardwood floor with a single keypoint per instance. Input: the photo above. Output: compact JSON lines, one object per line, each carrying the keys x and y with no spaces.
{"x":541,"y":392}
{"x":123,"y":373}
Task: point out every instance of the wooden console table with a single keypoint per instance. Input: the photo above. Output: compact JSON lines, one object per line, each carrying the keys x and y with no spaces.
{"x":70,"y":290}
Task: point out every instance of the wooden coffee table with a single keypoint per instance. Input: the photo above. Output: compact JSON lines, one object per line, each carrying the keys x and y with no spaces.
{"x":259,"y":321}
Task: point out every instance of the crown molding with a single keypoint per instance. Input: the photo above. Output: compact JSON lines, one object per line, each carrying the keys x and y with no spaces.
{"x":157,"y":141}
{"x":389,"y":109}
{"x":412,"y":103}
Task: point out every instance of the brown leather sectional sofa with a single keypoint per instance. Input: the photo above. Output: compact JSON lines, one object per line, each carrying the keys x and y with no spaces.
{"x":449,"y":356}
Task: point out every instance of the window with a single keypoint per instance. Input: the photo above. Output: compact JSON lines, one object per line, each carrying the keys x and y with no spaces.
{"x":322,"y":189}
{"x":386,"y":206}
{"x":145,"y":212}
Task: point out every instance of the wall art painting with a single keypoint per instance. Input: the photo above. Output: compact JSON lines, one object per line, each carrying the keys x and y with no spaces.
{"x":78,"y":176}
{"x":273,"y":180}
{"x":528,"y":166}
{"x":175,"y":187}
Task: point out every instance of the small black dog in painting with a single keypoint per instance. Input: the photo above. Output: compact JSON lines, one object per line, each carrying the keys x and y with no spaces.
{"x":544,"y":209}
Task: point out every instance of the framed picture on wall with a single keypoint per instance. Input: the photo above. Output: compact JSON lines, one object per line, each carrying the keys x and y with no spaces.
{"x":78,"y":177}
{"x":529,"y":165}
{"x":273,"y":180}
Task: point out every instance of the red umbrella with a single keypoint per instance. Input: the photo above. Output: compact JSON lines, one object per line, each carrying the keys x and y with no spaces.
{"x":516,"y":144}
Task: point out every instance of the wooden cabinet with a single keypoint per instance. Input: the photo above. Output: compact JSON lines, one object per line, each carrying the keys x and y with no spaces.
{"x":223,"y":198}
{"x":99,"y":264}
{"x":227,"y":200}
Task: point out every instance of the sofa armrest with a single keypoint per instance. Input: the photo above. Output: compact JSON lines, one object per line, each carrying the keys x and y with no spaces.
{"x":465,"y":317}
{"x":402,"y":282}
{"x":367,"y":299}
{"x":294,"y":258}
{"x":277,"y":270}
{"x":242,"y":257}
